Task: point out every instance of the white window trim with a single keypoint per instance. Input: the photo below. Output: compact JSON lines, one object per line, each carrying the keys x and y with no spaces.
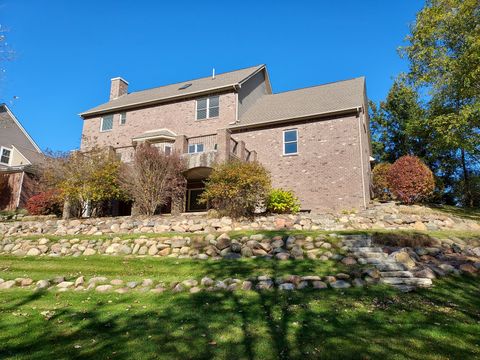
{"x":9,"y":158}
{"x":289,"y":142}
{"x":120,"y":119}
{"x":207,"y":108}
{"x":196,"y":148}
{"x":101,"y":125}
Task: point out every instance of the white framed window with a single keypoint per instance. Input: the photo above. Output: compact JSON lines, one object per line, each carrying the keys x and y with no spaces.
{"x":290,"y":142}
{"x":107,"y":123}
{"x":195,"y":148}
{"x":5,"y":155}
{"x":208,"y":107}
{"x":167,"y":149}
{"x":123,"y":118}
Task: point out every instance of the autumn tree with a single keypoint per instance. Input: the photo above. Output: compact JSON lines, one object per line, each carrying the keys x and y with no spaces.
{"x":153,"y":178}
{"x":84,"y":180}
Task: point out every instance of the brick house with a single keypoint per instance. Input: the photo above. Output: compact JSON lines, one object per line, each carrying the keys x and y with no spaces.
{"x":315,"y":140}
{"x":18,"y":156}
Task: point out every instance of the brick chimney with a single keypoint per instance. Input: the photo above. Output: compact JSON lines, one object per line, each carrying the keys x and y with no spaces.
{"x":119,"y":87}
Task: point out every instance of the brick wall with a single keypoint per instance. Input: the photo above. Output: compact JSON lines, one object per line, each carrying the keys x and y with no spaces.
{"x":326,"y":174}
{"x":178,"y":117}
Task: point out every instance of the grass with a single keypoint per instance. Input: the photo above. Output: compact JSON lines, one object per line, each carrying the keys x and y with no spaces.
{"x":465,"y":213}
{"x":378,"y":323}
{"x":161,"y":269}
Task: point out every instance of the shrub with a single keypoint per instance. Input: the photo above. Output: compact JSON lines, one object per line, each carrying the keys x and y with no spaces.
{"x":237,"y":188}
{"x":282,"y":201}
{"x":381,"y":186}
{"x":410,"y":180}
{"x":153,"y":178}
{"x":45,"y":203}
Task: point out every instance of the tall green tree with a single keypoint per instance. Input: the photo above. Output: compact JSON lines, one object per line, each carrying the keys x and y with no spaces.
{"x":444,"y":56}
{"x":397,"y":124}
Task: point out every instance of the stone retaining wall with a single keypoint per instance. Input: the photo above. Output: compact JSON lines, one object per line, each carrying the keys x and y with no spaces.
{"x":196,"y":246}
{"x":380,"y":216}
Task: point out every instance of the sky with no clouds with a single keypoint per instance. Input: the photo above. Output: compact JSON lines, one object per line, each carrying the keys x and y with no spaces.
{"x":66,"y":52}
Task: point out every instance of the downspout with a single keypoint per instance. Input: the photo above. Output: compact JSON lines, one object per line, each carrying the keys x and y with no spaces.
{"x":20,"y":190}
{"x":361,"y":155}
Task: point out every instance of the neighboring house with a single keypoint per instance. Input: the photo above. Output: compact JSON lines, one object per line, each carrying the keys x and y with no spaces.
{"x":18,"y":155}
{"x":314,"y":141}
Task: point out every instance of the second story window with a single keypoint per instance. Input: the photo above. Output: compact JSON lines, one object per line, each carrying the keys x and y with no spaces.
{"x":208,"y":107}
{"x":195,"y":148}
{"x":123,"y":118}
{"x":5,"y":155}
{"x":107,"y":123}
{"x":290,"y":142}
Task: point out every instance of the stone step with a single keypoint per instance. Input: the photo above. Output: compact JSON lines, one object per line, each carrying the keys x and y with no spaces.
{"x":371,"y":255}
{"x":390,"y":266}
{"x":421,"y":282}
{"x":357,"y":243}
{"x":379,"y":261}
{"x":366,"y":249}
{"x":396,"y":274}
{"x":356,"y":237}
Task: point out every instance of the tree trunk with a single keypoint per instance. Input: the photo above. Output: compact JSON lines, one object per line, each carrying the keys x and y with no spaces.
{"x":67,"y":210}
{"x":468,"y":198}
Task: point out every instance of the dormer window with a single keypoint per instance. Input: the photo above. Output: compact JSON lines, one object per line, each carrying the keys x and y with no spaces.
{"x":5,"y":155}
{"x":208,"y":107}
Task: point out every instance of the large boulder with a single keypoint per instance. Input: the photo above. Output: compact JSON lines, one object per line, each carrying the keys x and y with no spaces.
{"x":404,"y":258}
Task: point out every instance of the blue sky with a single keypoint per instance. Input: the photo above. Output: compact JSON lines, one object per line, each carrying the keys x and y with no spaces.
{"x":67,"y":51}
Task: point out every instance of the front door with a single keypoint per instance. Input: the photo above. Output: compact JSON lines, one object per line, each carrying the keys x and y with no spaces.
{"x":192,"y":200}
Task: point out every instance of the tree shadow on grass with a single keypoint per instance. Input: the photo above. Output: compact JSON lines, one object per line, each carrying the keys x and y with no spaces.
{"x":351,"y":324}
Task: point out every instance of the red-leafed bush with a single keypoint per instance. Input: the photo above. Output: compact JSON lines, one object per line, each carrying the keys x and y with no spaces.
{"x":410,"y":180}
{"x":381,"y":186}
{"x":45,"y":203}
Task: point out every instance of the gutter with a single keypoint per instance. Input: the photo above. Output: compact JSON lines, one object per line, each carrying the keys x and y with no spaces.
{"x":362,"y":165}
{"x":290,"y":119}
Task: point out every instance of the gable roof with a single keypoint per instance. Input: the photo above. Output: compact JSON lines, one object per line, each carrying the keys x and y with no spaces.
{"x":204,"y":85}
{"x":13,"y":134}
{"x":303,"y":103}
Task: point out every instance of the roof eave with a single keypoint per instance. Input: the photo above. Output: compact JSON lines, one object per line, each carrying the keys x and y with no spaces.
{"x":355,"y":109}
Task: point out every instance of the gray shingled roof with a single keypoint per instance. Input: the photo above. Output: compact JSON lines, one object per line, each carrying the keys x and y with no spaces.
{"x":13,"y":134}
{"x":305,"y":102}
{"x":221,"y":81}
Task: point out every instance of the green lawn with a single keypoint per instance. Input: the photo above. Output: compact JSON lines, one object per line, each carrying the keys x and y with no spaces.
{"x":373,"y":323}
{"x":159,"y":269}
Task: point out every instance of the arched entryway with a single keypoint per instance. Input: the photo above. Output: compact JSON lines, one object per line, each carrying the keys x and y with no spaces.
{"x":195,"y":186}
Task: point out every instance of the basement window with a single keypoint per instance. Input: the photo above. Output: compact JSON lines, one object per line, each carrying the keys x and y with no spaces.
{"x":290,"y":142}
{"x":5,"y":156}
{"x":107,"y":123}
{"x":208,"y":107}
